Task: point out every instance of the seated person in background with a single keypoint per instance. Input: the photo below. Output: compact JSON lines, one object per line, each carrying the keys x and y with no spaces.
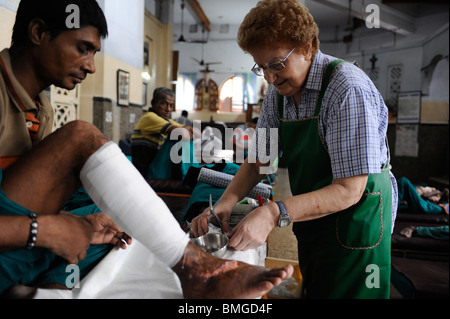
{"x":420,"y":199}
{"x":183,"y":119}
{"x":153,"y":128}
{"x":241,"y":139}
{"x":46,"y":170}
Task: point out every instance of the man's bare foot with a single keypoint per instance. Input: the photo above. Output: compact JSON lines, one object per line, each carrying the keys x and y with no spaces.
{"x":205,"y":276}
{"x":408,"y":231}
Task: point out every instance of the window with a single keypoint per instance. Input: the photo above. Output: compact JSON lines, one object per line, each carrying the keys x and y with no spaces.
{"x":232,"y":95}
{"x":240,"y":90}
{"x":185,"y":92}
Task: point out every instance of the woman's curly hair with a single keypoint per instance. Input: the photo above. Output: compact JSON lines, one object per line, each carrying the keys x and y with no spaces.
{"x":278,"y":21}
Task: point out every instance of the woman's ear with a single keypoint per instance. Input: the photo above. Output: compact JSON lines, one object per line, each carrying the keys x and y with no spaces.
{"x":36,"y":31}
{"x":307,"y":51}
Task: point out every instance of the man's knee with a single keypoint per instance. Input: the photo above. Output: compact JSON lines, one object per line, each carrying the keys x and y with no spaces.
{"x":79,"y":127}
{"x":84,"y":133}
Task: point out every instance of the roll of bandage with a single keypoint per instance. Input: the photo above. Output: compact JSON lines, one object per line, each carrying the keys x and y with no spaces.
{"x":222,"y":180}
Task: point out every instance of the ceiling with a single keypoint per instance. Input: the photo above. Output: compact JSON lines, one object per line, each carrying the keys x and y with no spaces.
{"x":332,"y":16}
{"x":397,"y":15}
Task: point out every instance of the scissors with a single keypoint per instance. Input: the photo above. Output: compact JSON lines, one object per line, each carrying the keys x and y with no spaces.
{"x":211,"y":209}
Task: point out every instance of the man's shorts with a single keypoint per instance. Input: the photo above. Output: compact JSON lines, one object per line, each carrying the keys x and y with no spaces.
{"x":38,"y":266}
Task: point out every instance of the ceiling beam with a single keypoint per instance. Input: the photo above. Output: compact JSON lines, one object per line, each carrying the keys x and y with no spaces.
{"x":199,"y":14}
{"x":415,"y":2}
{"x":390,"y":19}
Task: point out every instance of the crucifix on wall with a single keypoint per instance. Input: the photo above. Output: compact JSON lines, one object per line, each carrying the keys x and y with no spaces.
{"x":373,"y":60}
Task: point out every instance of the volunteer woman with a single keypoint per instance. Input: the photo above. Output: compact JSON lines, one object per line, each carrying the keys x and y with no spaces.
{"x":332,"y":125}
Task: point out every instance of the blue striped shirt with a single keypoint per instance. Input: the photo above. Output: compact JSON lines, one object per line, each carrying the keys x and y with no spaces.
{"x":353,"y":121}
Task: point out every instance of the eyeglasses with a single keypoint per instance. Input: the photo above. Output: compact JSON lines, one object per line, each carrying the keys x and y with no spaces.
{"x":275,"y":66}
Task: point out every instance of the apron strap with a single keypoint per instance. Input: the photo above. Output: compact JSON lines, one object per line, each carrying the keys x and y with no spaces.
{"x":280,"y":104}
{"x":325,"y":81}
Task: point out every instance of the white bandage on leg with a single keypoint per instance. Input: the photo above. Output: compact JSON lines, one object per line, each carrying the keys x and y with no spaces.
{"x":121,"y":192}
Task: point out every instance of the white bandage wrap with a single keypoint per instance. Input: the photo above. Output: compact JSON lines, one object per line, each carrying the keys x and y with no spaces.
{"x":121,"y":192}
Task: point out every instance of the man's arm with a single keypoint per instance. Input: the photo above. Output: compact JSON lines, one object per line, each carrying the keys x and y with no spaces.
{"x":14,"y":232}
{"x":65,"y":235}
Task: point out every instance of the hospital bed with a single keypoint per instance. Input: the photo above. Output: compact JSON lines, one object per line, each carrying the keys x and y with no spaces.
{"x":420,"y":265}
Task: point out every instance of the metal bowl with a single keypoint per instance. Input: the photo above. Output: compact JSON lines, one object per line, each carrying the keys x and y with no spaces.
{"x":213,"y":243}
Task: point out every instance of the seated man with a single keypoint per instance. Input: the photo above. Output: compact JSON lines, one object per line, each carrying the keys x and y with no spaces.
{"x":39,"y":173}
{"x":153,"y":128}
{"x":183,"y":119}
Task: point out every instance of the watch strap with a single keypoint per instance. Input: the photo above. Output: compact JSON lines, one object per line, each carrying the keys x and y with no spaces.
{"x":283,"y":211}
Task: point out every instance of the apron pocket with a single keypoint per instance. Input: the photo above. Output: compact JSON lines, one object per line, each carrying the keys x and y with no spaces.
{"x":361,"y":226}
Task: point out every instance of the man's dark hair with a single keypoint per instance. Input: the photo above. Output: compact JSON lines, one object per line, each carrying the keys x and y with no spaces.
{"x":160,"y":93}
{"x":54,"y":15}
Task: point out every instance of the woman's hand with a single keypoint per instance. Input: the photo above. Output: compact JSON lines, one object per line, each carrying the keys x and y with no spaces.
{"x":254,"y":229}
{"x":200,"y":225}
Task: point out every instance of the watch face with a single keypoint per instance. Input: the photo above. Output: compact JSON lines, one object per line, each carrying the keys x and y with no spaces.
{"x":284,"y":221}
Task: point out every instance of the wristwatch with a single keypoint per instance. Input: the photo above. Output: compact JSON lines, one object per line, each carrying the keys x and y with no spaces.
{"x":284,"y":219}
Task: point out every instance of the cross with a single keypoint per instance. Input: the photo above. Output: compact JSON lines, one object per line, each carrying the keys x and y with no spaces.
{"x":373,"y":60}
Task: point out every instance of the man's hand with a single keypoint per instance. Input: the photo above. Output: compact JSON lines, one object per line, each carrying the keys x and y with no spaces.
{"x":66,"y":235}
{"x":106,"y":231}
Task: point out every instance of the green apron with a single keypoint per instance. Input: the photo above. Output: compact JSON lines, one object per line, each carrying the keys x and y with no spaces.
{"x":346,"y":254}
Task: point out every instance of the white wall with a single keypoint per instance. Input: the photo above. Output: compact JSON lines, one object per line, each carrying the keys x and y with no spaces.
{"x":126,"y":30}
{"x":7,"y":17}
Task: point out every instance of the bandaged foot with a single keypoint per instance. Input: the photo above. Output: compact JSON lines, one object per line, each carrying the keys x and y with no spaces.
{"x":121,"y":192}
{"x":205,"y":276}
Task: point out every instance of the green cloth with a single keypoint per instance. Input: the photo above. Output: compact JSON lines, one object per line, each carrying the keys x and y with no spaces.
{"x":39,"y":266}
{"x":433,"y":232}
{"x":162,"y":166}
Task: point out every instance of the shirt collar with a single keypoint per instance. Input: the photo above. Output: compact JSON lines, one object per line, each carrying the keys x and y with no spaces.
{"x":19,"y":96}
{"x":314,"y":81}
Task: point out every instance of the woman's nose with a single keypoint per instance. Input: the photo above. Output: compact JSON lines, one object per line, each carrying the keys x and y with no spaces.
{"x":269,"y":76}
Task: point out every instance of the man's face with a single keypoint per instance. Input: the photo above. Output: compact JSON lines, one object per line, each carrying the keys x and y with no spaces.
{"x":165,"y":106}
{"x":66,"y":60}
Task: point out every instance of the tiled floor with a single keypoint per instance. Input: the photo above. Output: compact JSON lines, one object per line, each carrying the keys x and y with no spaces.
{"x":282,"y":242}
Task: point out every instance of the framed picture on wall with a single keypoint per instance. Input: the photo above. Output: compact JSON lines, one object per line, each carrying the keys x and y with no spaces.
{"x":144,"y":94}
{"x":123,"y":88}
{"x":409,"y":107}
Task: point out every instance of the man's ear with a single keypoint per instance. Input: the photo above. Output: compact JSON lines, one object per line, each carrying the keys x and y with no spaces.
{"x":36,"y":31}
